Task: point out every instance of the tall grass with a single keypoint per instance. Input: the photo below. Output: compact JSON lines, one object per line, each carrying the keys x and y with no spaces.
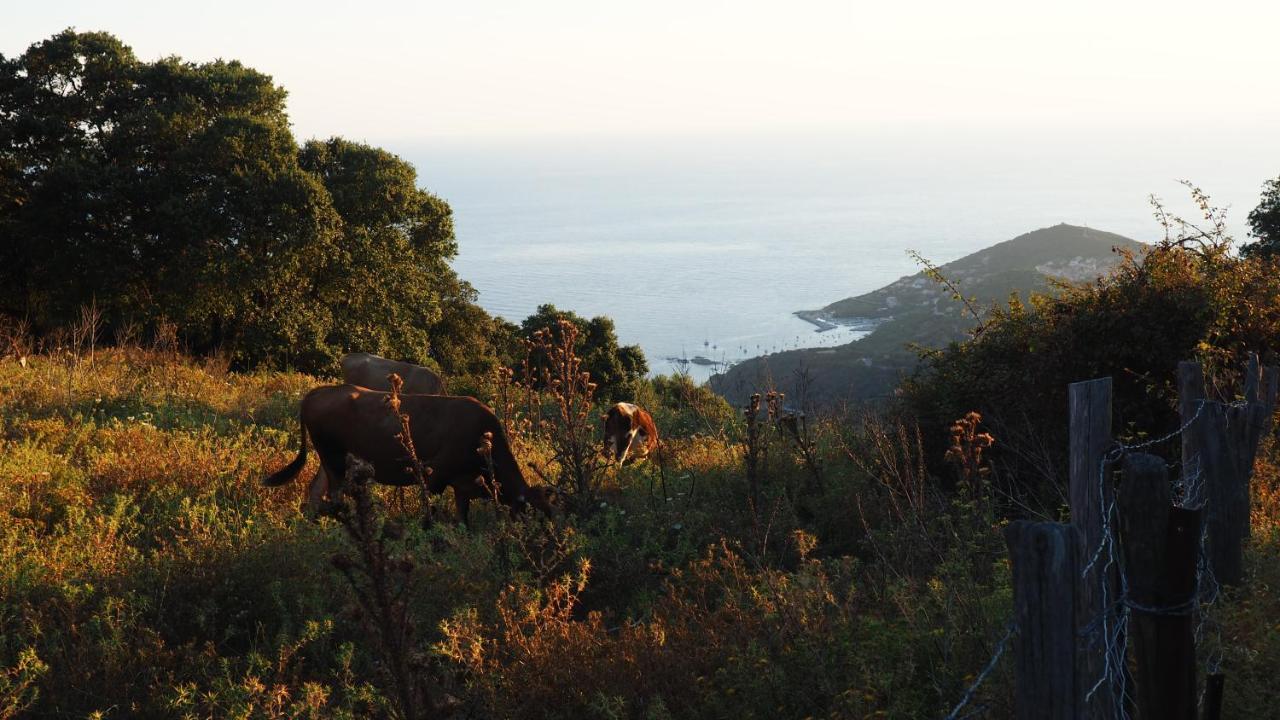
{"x":145,"y":573}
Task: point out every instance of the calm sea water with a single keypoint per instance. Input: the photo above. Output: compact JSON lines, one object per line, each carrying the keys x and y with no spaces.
{"x":706,"y":248}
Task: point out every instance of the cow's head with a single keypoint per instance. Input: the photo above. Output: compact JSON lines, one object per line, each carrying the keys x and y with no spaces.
{"x":618,"y":433}
{"x":537,"y":496}
{"x":610,"y":420}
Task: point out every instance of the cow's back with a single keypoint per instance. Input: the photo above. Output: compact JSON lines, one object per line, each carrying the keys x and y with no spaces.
{"x":371,"y":371}
{"x":354,"y":419}
{"x":345,"y":419}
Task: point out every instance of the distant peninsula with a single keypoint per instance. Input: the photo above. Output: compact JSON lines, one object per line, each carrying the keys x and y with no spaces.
{"x":918,"y":311}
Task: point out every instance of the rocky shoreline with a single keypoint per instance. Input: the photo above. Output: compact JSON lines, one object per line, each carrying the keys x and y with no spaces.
{"x":818,"y":318}
{"x":825,"y":321}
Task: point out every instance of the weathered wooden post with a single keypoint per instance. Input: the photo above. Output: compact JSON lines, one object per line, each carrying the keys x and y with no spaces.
{"x":1213,"y":687}
{"x":1190,"y":395}
{"x":1046,"y":564}
{"x":1161,"y":545}
{"x":1211,"y":479}
{"x":1091,"y":496}
{"x":1218,"y":451}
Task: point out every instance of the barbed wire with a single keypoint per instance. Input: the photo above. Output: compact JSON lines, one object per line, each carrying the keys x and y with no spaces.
{"x":1113,"y":619}
{"x":1189,"y":487}
{"x":1208,"y":588}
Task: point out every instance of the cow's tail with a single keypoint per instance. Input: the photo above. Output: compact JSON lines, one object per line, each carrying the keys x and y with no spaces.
{"x":290,"y":471}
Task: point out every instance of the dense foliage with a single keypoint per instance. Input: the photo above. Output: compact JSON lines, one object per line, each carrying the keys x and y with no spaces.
{"x":1264,"y":222}
{"x":144,"y":572}
{"x":762,"y":564}
{"x":1188,"y":297}
{"x":614,"y":368}
{"x":171,"y":191}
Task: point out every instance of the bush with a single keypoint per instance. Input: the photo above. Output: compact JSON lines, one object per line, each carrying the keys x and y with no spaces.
{"x":1187,"y":298}
{"x":144,"y":569}
{"x":613,"y":368}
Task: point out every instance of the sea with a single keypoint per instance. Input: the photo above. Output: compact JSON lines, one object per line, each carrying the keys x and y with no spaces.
{"x":701,"y":249}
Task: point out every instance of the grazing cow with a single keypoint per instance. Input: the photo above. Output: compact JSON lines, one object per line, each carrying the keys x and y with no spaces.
{"x":629,"y":433}
{"x":446,"y":432}
{"x":370,"y":371}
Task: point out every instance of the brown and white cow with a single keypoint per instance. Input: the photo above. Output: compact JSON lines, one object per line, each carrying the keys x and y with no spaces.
{"x":446,"y":431}
{"x":370,"y":371}
{"x":629,"y":433}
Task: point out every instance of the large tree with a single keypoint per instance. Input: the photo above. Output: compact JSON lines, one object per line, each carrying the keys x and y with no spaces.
{"x":386,"y":286}
{"x":175,"y":190}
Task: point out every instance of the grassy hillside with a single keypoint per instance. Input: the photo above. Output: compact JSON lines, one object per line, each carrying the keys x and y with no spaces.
{"x":145,"y":573}
{"x":917,"y":310}
{"x":1066,"y":252}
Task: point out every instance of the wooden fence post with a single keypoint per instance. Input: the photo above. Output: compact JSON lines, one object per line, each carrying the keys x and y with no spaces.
{"x":1211,"y":479}
{"x":1218,"y":451}
{"x":1046,"y":563}
{"x":1213,"y":687}
{"x":1091,"y":495}
{"x":1161,"y":547}
{"x":1190,"y":395}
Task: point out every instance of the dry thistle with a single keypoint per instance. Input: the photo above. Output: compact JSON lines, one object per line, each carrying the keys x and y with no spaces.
{"x":421,"y":473}
{"x":967,"y":448}
{"x":559,"y":395}
{"x":380,"y":583}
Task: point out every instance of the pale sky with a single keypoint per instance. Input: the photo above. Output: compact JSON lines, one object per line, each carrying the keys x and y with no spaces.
{"x":388,"y":72}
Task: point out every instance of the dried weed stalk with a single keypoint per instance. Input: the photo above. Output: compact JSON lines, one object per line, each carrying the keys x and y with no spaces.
{"x":421,"y":473}
{"x":560,"y":395}
{"x":380,"y":584}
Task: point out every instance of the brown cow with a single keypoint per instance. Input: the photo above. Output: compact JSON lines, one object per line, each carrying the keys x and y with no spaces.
{"x":371,"y":371}
{"x":629,"y":432}
{"x":446,"y":430}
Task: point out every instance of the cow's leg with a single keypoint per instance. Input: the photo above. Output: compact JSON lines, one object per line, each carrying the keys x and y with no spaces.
{"x":316,"y":491}
{"x":426,"y":491}
{"x":641,"y":444}
{"x":433,"y":485}
{"x":631,"y":438}
{"x":463,"y":501}
{"x":331,"y":479}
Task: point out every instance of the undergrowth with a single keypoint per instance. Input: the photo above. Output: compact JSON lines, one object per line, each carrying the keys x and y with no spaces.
{"x":145,"y":573}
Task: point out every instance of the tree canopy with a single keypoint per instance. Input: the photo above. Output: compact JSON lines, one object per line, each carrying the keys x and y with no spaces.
{"x":613,"y":367}
{"x":1264,"y":222}
{"x":172,"y":190}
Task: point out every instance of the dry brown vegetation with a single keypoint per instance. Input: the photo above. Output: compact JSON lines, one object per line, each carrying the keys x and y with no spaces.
{"x":777,"y":566}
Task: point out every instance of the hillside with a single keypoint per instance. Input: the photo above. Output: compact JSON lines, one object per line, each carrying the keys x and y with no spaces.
{"x":143,"y":568}
{"x":836,"y":567}
{"x":917,"y":310}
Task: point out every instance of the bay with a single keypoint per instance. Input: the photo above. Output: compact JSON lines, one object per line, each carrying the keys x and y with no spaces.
{"x":705,"y":247}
